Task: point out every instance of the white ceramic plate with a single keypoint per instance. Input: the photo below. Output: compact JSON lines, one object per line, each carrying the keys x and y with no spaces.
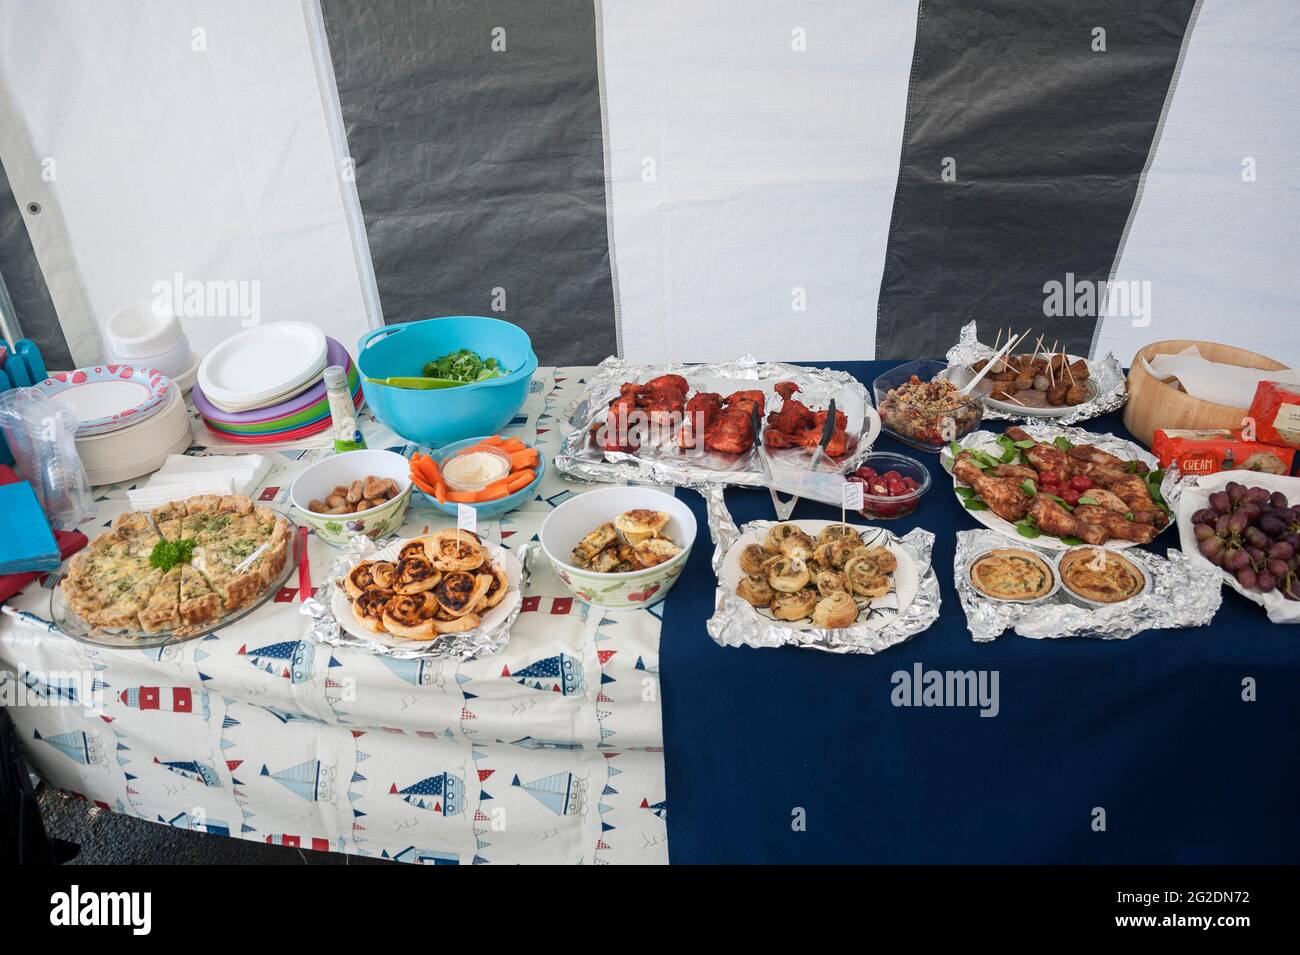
{"x":262,"y":363}
{"x":873,"y":615}
{"x":1196,"y":495}
{"x":505,"y":559}
{"x":1006,"y":528}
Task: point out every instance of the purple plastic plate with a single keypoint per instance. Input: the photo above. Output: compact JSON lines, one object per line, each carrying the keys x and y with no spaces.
{"x":335,"y":354}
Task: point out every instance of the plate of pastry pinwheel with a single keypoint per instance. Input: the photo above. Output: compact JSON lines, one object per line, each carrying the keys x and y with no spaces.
{"x":1059,"y":487}
{"x":413,"y":593}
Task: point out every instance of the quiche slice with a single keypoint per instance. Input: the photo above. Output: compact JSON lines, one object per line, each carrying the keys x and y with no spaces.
{"x":101,"y":572}
{"x":198,"y":604}
{"x":162,"y":611}
{"x":168,"y":518}
{"x":223,"y":558}
{"x":204,"y":526}
{"x":135,"y":532}
{"x":130,"y":598}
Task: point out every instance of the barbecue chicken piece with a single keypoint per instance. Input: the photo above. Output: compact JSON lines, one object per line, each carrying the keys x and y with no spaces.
{"x":1005,"y":497}
{"x":796,"y":425}
{"x":702,"y":411}
{"x":732,"y":433}
{"x":1086,"y":452}
{"x":1052,"y":518}
{"x":1116,"y":525}
{"x":745,"y":401}
{"x":1132,"y":490}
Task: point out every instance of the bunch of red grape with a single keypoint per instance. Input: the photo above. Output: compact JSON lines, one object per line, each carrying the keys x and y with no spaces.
{"x":1253,"y":534}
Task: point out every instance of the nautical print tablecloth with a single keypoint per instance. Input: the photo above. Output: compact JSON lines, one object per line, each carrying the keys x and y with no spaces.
{"x":548,"y":752}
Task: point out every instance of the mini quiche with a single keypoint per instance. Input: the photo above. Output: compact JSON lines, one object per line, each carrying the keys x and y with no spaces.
{"x":119,"y":582}
{"x":1012,"y":574}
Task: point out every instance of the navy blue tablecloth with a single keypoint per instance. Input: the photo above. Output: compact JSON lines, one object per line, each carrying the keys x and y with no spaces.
{"x":794,"y":755}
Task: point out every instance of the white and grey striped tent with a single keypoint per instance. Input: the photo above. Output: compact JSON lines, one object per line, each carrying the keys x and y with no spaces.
{"x":666,"y":179}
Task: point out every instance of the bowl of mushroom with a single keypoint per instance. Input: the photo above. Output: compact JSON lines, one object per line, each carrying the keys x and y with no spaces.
{"x":356,"y":492}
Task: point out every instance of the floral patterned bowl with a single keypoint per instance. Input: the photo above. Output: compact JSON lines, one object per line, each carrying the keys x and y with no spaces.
{"x":319,"y":480}
{"x":583,"y":513}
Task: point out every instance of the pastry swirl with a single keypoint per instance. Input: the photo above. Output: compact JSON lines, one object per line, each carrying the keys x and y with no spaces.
{"x":835,"y":610}
{"x":368,"y":609}
{"x":497,"y":590}
{"x":794,"y":606}
{"x":755,"y":591}
{"x":384,"y":574}
{"x":787,"y":574}
{"x":411,"y":615}
{"x":460,"y":592}
{"x":455,"y":550}
{"x":416,"y":574}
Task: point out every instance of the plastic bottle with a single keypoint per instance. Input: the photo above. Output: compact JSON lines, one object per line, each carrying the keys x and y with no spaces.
{"x":343,"y":414}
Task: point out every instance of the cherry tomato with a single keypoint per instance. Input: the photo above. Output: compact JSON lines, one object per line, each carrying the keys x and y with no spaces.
{"x":1081,"y":483}
{"x":1071,"y":496}
{"x":1048,"y":477}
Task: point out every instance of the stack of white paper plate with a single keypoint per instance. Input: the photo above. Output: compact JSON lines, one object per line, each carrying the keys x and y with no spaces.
{"x":139,"y":448}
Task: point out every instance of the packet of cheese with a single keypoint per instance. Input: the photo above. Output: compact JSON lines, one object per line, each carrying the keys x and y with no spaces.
{"x":1276,"y":412}
{"x":1211,"y":451}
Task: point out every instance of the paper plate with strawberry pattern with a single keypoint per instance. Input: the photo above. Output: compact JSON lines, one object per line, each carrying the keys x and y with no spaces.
{"x":109,"y":397}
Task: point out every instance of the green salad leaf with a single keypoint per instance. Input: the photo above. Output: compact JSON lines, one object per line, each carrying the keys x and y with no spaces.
{"x":1026,"y":527}
{"x":463,"y":365}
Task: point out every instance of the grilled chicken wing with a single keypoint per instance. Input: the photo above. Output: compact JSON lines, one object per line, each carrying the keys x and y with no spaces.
{"x":1132,"y":490}
{"x":1005,"y":497}
{"x":1015,"y":472}
{"x":1052,"y":518}
{"x":1117,"y":526}
{"x":1089,"y":453}
{"x":1104,"y":498}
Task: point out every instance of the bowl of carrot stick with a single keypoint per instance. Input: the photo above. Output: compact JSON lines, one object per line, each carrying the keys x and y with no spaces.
{"x":521,"y":468}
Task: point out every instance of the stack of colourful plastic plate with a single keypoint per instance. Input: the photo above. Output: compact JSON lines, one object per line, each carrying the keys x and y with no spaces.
{"x":299,"y":416}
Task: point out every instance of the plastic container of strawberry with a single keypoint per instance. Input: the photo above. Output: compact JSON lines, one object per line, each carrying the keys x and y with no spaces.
{"x":892,"y":484}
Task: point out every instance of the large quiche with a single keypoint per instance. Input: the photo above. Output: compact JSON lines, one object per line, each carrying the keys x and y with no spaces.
{"x":239,"y":550}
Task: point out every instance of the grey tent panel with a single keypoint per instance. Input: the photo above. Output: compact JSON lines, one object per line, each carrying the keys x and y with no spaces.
{"x":22,"y":276}
{"x":480,"y":170}
{"x":1047,"y":138}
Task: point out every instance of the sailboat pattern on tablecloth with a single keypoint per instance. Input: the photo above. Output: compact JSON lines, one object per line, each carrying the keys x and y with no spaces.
{"x":313,"y":743}
{"x":443,"y":793}
{"x":561,"y":673}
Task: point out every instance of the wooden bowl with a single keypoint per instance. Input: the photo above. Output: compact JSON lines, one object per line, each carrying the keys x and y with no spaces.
{"x":1154,"y":404}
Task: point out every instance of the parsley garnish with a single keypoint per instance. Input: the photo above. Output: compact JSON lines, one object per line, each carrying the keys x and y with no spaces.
{"x":167,"y":554}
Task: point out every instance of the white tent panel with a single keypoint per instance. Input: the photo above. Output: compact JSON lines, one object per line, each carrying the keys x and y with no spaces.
{"x":753,"y":150}
{"x":1222,"y":251}
{"x":191,"y":139}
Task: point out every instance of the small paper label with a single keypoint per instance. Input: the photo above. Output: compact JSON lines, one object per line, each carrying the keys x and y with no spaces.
{"x":852,"y":496}
{"x":467,"y":518}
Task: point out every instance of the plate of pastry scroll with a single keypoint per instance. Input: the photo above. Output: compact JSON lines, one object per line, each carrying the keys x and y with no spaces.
{"x":414,"y":592}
